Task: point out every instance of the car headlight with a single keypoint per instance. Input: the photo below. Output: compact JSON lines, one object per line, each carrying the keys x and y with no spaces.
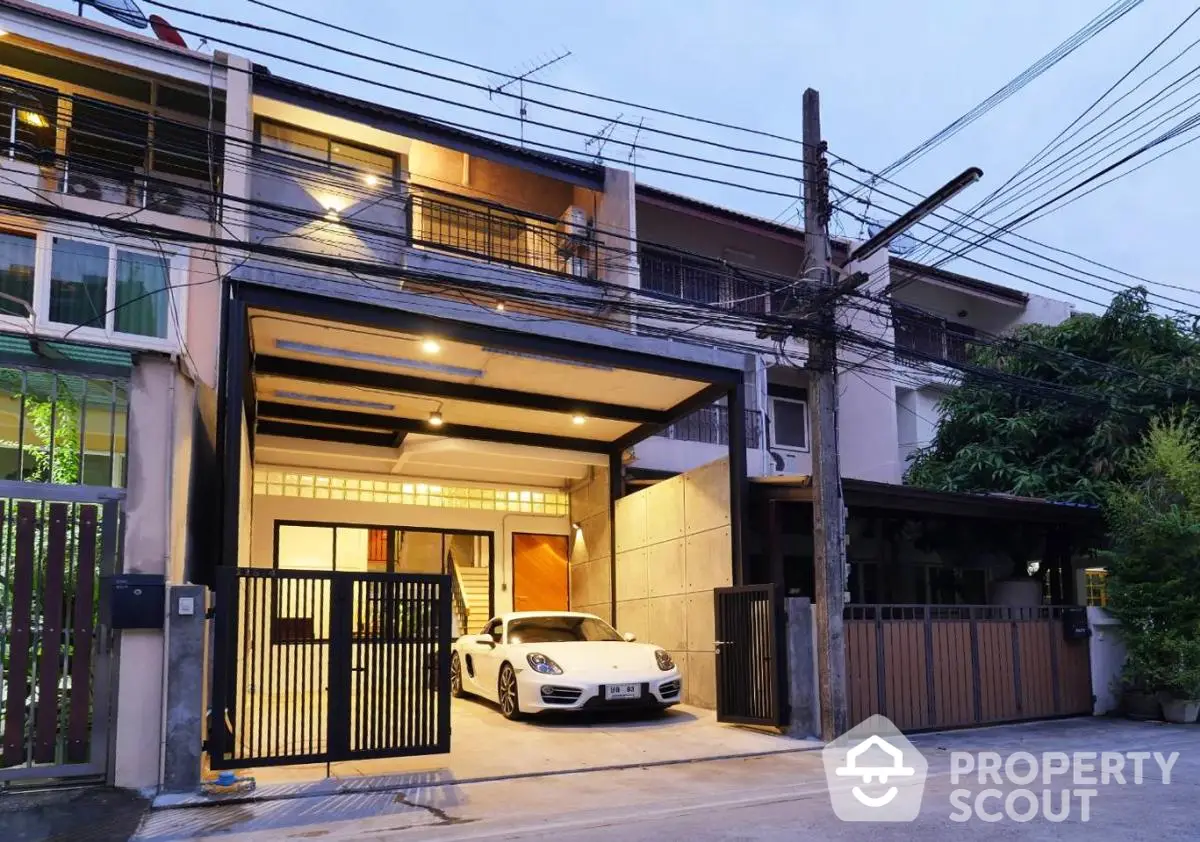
{"x":664,"y":660}
{"x":540,"y":663}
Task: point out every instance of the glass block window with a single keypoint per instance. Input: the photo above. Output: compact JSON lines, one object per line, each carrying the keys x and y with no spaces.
{"x":310,"y":486}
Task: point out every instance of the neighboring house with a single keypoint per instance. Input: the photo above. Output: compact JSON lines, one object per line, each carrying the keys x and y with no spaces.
{"x":730,"y":255}
{"x":937,"y":314}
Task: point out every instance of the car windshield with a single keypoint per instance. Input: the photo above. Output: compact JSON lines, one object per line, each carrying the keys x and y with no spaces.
{"x":559,"y":630}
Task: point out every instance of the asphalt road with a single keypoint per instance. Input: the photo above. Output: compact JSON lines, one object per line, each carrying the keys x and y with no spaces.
{"x":775,"y":797}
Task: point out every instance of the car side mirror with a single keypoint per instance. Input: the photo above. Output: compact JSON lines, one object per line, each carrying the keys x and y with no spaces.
{"x":485,"y":640}
{"x":629,"y":637}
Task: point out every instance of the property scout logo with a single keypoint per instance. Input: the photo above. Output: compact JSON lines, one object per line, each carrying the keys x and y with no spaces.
{"x":875,"y":774}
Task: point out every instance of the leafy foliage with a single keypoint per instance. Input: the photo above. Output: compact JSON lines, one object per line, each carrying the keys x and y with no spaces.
{"x":1062,"y":423}
{"x":1154,"y":563}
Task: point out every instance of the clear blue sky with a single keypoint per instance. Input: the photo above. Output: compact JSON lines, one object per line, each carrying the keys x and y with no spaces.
{"x":890,"y":74}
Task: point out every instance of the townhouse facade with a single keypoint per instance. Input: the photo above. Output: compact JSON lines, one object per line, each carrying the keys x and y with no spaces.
{"x":271,"y":350}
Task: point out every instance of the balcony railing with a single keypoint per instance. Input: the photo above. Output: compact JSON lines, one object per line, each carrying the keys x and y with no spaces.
{"x":920,"y":338}
{"x":458,"y":224}
{"x":711,"y":426}
{"x":715,"y":282}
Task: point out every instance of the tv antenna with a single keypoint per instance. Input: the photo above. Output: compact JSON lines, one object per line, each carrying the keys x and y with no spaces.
{"x":603,"y":136}
{"x":518,"y":79}
{"x":126,"y":11}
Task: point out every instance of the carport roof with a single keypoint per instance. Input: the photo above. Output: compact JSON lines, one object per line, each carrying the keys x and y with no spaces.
{"x":882,"y":495}
{"x":352,"y":372}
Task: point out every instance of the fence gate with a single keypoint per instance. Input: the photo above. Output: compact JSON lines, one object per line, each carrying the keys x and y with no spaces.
{"x":54,"y":653}
{"x":749,"y":681}
{"x":948,"y":666}
{"x":317,"y":667}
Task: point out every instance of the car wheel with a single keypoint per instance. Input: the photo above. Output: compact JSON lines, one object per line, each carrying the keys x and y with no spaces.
{"x":456,"y":687}
{"x":510,"y":704}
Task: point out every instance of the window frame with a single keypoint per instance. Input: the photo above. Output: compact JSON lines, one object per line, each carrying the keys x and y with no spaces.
{"x":775,"y":444}
{"x":327,"y":162}
{"x":177,"y":277}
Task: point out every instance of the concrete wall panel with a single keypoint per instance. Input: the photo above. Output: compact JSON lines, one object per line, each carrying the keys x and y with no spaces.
{"x":675,"y":548}
{"x":666,"y":568}
{"x":632,"y":576}
{"x":668,"y":622}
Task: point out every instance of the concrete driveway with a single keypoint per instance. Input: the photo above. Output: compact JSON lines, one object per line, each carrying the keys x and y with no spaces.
{"x":484,"y":746}
{"x":776,"y":796}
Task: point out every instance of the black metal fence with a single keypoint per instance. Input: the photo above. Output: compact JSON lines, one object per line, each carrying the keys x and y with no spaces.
{"x":315,"y":667}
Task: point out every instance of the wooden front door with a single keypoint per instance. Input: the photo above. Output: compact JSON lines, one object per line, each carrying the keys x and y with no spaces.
{"x":539,"y":572}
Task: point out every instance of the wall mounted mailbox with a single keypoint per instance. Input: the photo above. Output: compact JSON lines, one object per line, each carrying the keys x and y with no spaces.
{"x":137,"y":601}
{"x":1075,"y":623}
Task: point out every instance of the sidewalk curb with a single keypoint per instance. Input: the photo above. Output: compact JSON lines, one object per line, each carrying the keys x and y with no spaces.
{"x":163,"y":802}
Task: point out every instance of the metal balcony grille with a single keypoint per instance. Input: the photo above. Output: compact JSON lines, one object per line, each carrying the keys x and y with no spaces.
{"x":711,"y":426}
{"x":715,"y":282}
{"x":457,"y":224}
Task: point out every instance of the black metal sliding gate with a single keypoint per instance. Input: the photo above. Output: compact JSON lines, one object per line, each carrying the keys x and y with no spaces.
{"x":317,"y":667}
{"x":750,"y":673}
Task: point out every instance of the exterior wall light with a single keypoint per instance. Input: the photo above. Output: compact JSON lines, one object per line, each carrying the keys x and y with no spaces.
{"x":578,"y":420}
{"x":431,"y":346}
{"x":435,"y":419}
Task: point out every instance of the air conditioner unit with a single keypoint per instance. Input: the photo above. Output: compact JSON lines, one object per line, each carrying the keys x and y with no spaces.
{"x":87,"y":186}
{"x":184,"y":197}
{"x":791,"y":460}
{"x":578,"y":267}
{"x":574,"y":223}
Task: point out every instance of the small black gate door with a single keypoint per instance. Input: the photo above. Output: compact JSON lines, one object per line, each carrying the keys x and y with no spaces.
{"x":317,"y":667}
{"x":748,"y":666}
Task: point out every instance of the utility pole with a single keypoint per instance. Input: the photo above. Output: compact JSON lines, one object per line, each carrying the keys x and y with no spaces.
{"x":829,"y":510}
{"x":829,"y":513}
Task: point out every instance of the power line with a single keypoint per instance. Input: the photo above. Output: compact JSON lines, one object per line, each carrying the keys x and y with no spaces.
{"x":1090,"y":30}
{"x":1066,"y":132}
{"x":292,"y":36}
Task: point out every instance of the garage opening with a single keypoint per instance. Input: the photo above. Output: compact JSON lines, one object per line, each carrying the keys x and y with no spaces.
{"x":395,"y":480}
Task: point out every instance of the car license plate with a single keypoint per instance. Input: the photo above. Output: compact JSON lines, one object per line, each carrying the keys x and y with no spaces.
{"x":622,"y":691}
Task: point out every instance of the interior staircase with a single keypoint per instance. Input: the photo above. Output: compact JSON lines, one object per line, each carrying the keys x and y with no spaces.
{"x":475,"y":585}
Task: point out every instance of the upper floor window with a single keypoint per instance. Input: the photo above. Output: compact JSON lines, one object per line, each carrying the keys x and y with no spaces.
{"x":92,"y":290}
{"x":927,"y":337}
{"x":373,"y":166}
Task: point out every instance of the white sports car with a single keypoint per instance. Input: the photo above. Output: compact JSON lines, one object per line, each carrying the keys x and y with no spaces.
{"x":534,"y":661}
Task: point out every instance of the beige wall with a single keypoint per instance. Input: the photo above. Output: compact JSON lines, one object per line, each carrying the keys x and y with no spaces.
{"x":445,"y":169}
{"x":591,"y":546}
{"x":673,"y":548}
{"x":137,"y":744}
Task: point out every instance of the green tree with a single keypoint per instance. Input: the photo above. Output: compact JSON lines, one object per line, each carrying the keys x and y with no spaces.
{"x":1087,"y":391}
{"x":1154,"y":562}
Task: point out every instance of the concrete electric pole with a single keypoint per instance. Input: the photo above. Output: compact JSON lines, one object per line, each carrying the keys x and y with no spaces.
{"x":829,"y":511}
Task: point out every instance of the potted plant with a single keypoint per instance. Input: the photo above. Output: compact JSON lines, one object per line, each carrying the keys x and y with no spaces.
{"x":1179,"y":679}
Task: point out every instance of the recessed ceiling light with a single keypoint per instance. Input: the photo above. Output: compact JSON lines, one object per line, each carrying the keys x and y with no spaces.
{"x":435,"y":419}
{"x":500,"y":307}
{"x":371,"y":180}
{"x":430,"y":346}
{"x":578,"y":420}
